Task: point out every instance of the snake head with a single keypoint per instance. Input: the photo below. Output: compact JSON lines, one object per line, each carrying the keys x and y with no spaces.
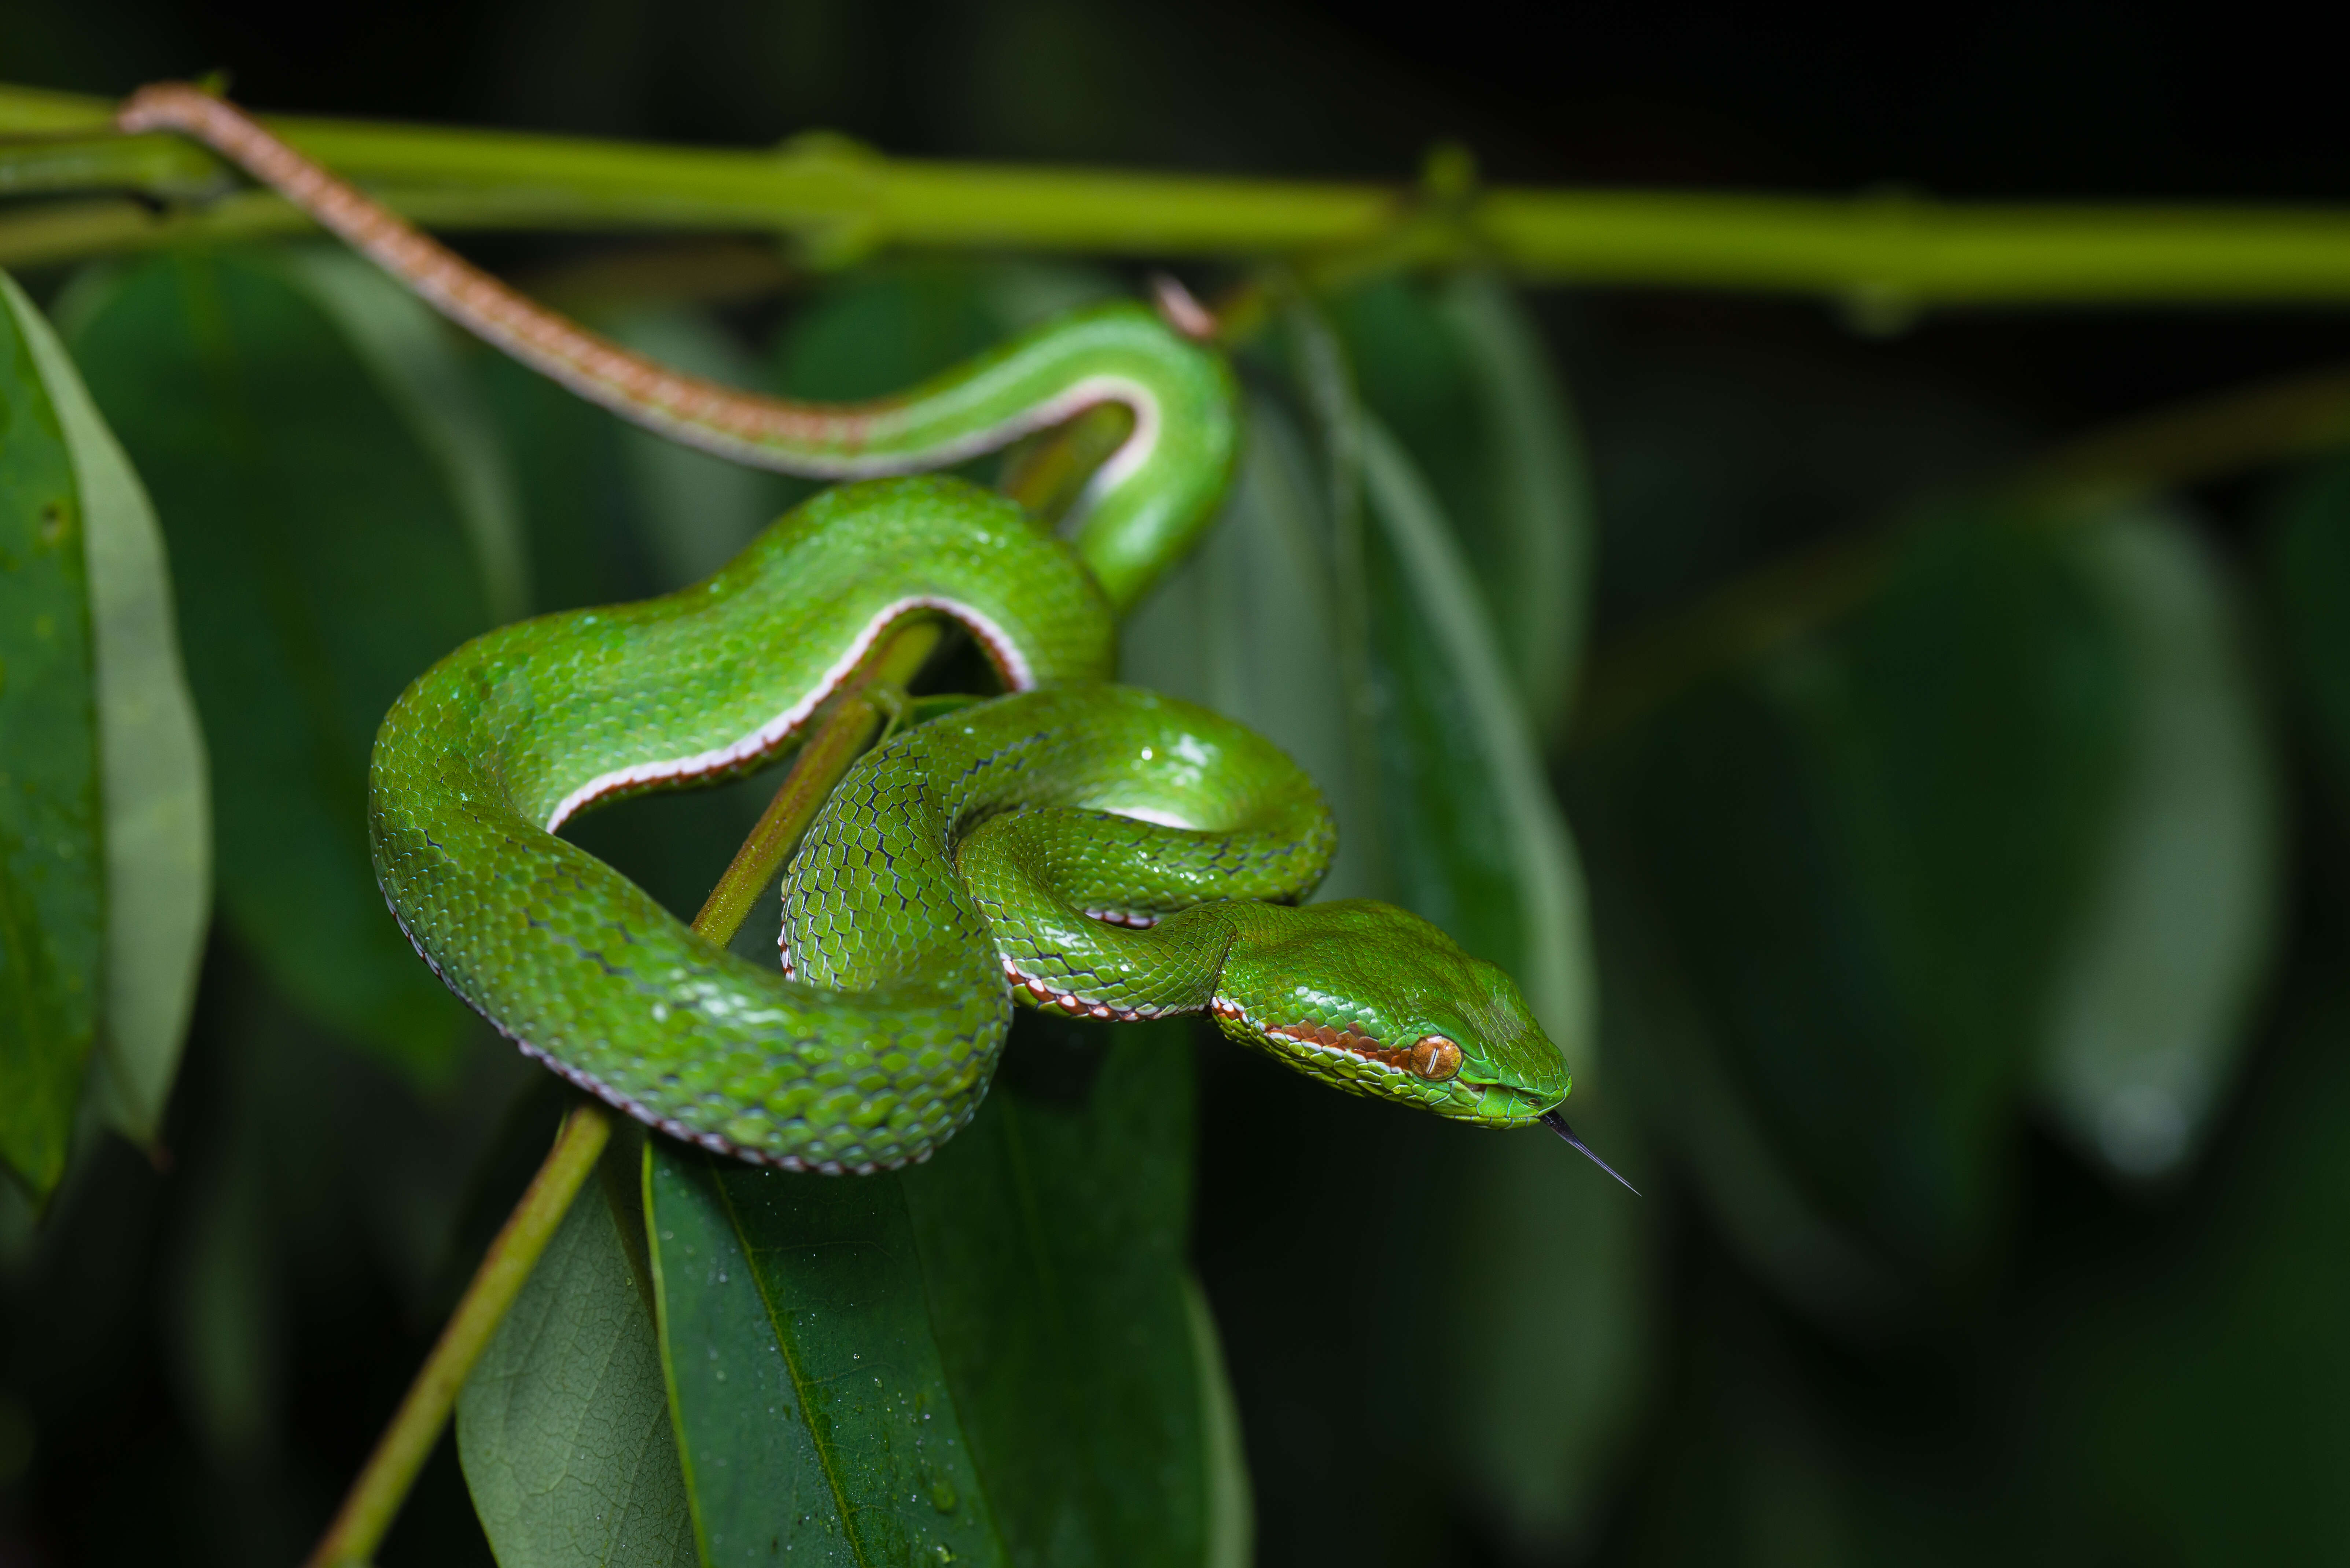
{"x":1376,"y":1000}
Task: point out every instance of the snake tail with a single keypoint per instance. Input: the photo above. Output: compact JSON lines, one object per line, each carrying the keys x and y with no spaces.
{"x":1141,"y":513}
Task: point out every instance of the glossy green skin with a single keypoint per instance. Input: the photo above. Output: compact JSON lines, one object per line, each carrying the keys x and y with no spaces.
{"x":1078,"y":844}
{"x":1147,"y":504}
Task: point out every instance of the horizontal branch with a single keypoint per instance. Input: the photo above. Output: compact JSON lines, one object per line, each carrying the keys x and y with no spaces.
{"x":1885,"y":255}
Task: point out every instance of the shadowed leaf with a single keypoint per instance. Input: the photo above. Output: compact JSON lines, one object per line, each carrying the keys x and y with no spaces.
{"x":158,"y":814}
{"x":1457,"y":370}
{"x":321,"y":560}
{"x":995,"y":1353}
{"x":1478,"y":843}
{"x":1248,"y":626}
{"x":1867,"y":858}
{"x":563,"y":1425}
{"x":52,"y":843}
{"x":2150,"y":1014}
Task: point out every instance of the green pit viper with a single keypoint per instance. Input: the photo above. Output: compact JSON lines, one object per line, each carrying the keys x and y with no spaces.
{"x":1076,"y":845}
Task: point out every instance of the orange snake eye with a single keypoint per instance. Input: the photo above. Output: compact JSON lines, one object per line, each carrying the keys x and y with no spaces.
{"x":1435,"y":1058}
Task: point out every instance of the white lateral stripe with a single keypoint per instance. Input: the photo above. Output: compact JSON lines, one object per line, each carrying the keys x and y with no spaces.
{"x":1002,"y":651}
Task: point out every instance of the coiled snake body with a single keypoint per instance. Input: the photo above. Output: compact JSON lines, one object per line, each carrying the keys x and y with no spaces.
{"x":1075,"y":844}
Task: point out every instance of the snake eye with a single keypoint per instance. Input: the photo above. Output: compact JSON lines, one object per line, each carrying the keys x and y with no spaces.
{"x":1435,"y":1058}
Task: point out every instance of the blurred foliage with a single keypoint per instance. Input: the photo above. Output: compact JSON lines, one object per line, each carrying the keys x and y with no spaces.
{"x":1959,"y":977}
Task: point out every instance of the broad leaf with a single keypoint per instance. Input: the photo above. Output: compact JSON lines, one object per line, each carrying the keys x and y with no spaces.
{"x":1554,"y":1363}
{"x":1363,"y":646}
{"x":1456,"y":369}
{"x":1869,"y":857}
{"x":1969,"y":738}
{"x":1663,"y":1035}
{"x":1231,"y":1504}
{"x":158,"y":815}
{"x":2150,"y":1011}
{"x":407,"y":349}
{"x":321,"y":560}
{"x":1477,"y":841}
{"x":994,"y":1353}
{"x":52,"y":844}
{"x":1448,"y":805}
{"x":563,"y":1425}
{"x":1356,"y":636}
{"x":1248,"y":626}
{"x":812,"y":1409}
{"x":1053,"y":1236}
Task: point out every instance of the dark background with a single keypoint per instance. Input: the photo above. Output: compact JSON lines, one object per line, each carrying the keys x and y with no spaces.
{"x":1772,"y":1438}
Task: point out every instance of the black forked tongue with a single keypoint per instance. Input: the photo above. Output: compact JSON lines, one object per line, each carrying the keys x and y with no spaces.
{"x":1557,"y":1124}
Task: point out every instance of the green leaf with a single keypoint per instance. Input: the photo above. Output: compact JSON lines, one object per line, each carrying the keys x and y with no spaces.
{"x":564,"y":1426}
{"x":1231,"y":1506}
{"x":414,"y":357}
{"x":52,"y":845}
{"x":1871,"y":859}
{"x":1968,"y":738}
{"x":997,"y":1354}
{"x":321,"y":560}
{"x":1053,"y":1239}
{"x":1543,"y":1379}
{"x":1248,"y":626}
{"x":1653,"y":1014}
{"x":1373,"y":643}
{"x":1455,"y":368}
{"x":2151,"y":1009}
{"x":1552,"y":1364}
{"x":158,"y":815}
{"x":1476,"y":838}
{"x":811,"y":1403}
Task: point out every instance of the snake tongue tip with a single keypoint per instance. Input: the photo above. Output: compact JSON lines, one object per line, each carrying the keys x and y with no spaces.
{"x":1556,"y":1122}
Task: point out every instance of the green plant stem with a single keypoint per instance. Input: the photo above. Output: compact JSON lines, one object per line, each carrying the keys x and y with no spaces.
{"x":382,"y":1485}
{"x":1885,"y":255}
{"x":838,"y":742}
{"x":2230,"y":432}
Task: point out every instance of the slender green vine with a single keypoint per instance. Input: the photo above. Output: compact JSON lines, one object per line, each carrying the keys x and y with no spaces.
{"x":1884,"y":255}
